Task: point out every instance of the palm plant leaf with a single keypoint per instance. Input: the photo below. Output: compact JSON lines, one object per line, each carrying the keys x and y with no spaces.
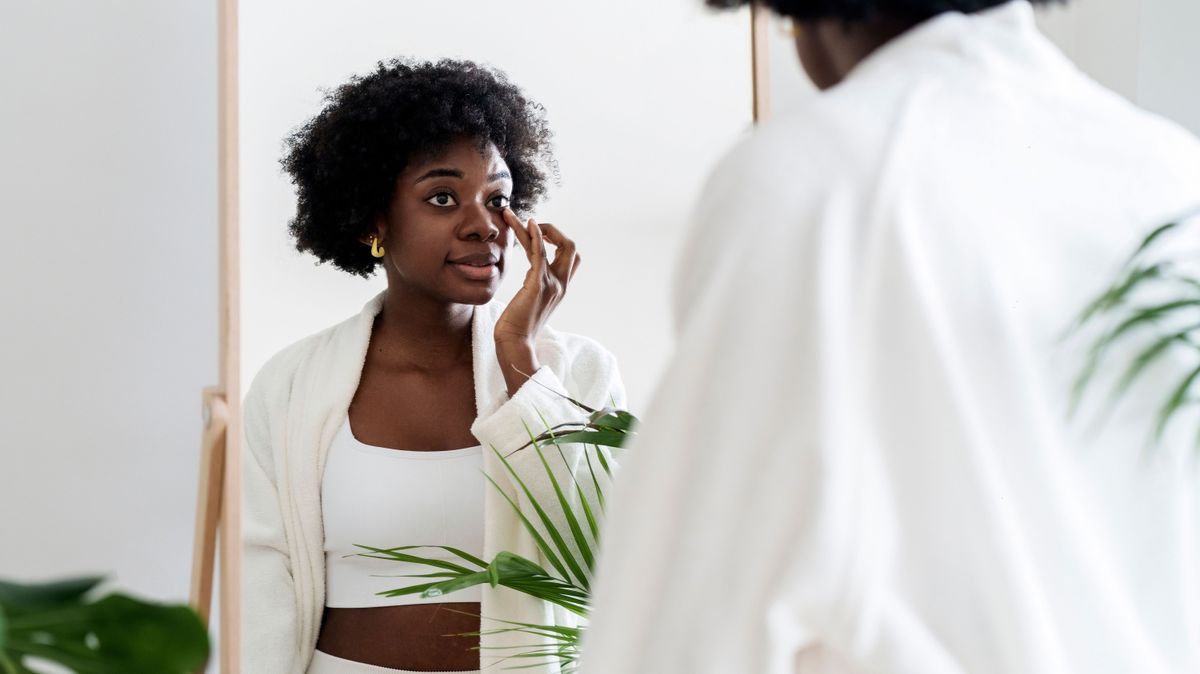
{"x":395,"y":555}
{"x":391,"y":552}
{"x":1152,"y":237}
{"x":560,"y":543}
{"x":581,"y":542}
{"x":568,"y":585}
{"x":507,"y":570}
{"x":1116,"y":294}
{"x":587,"y":457}
{"x":1119,"y":305}
{"x":1175,"y":402}
{"x":1139,"y":318}
{"x":1149,"y":355}
{"x":538,"y":539}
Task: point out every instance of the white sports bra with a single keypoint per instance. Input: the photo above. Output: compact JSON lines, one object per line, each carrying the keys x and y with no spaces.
{"x":386,"y":498}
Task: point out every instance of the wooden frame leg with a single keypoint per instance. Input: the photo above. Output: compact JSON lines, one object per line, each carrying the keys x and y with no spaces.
{"x":208,"y":500}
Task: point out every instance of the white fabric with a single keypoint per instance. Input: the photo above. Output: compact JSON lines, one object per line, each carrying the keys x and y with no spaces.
{"x":384,"y":497}
{"x":861,"y":446}
{"x":324,"y":663}
{"x":291,"y":412}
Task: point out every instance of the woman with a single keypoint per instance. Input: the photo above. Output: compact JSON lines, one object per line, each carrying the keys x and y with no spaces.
{"x":887,"y":479}
{"x":374,"y":431}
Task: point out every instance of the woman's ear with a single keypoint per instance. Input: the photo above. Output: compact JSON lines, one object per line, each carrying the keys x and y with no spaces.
{"x":379,"y":229}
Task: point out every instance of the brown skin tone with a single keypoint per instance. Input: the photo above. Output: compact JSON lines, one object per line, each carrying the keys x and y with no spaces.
{"x":417,"y":386}
{"x":830,"y":48}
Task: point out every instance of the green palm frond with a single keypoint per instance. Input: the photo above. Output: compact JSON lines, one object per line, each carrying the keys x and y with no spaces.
{"x":607,"y":427}
{"x":1163,"y":326}
{"x":560,"y":644}
{"x":567,"y":555}
{"x":569,"y":546}
{"x":506,"y":569}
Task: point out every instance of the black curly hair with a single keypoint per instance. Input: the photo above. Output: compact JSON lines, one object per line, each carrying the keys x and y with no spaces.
{"x":858,"y":10}
{"x":345,"y":160}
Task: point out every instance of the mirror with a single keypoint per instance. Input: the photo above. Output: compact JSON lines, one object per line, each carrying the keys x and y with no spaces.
{"x":642,"y":99}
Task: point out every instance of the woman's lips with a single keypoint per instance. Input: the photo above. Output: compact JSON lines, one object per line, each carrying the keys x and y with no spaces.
{"x":477,"y":272}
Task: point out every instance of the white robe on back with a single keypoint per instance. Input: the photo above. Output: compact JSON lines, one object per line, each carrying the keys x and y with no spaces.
{"x":861,"y":449}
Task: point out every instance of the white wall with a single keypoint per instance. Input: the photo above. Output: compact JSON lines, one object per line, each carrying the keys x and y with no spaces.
{"x":789,"y":85}
{"x":1101,"y":36}
{"x":642,"y":97}
{"x":1169,"y":60}
{"x":1145,"y":50}
{"x":108,"y":286}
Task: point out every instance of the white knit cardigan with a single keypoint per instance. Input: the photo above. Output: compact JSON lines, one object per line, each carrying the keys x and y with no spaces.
{"x":290,"y":413}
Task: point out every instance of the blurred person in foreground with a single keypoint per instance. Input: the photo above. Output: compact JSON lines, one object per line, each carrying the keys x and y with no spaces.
{"x":860,"y":458}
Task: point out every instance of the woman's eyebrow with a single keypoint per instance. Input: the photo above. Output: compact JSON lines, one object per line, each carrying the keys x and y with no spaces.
{"x":441,"y":173}
{"x":455,"y":173}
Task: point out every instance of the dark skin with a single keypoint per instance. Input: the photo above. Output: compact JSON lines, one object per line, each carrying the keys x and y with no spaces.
{"x":830,"y":48}
{"x":417,"y":384}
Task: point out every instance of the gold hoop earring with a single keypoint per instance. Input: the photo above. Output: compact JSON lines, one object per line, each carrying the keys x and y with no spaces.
{"x":376,"y":249}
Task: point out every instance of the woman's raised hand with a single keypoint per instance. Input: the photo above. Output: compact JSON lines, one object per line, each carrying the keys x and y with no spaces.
{"x":545,"y":282}
{"x":544,"y":287}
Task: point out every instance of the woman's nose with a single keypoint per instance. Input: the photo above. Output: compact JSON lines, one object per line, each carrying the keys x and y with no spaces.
{"x":481,"y":222}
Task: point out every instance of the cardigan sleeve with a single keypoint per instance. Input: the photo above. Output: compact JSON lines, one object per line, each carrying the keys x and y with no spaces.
{"x":591,"y":377}
{"x":270,"y":618}
{"x":540,"y":400}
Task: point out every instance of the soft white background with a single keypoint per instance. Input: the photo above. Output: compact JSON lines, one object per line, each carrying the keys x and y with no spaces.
{"x":108,"y":286}
{"x":108,"y":283}
{"x":1145,"y":50}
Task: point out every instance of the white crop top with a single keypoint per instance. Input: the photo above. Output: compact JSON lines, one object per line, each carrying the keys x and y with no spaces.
{"x":386,"y":498}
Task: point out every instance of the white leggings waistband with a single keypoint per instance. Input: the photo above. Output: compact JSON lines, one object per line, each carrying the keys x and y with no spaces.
{"x":324,"y":663}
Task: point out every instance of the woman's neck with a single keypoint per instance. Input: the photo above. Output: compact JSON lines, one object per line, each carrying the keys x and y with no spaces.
{"x":830,"y":48}
{"x":422,"y":332}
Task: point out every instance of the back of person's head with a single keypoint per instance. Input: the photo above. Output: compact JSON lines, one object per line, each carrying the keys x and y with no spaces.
{"x":838,"y":34}
{"x":859,"y":10}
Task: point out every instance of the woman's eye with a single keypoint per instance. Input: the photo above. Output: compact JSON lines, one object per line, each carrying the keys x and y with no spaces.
{"x":442,"y":199}
{"x":500,"y":202}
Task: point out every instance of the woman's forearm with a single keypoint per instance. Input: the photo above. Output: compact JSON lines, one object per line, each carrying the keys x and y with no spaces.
{"x":517,"y":362}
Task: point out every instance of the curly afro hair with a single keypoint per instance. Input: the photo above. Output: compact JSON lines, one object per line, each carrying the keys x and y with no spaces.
{"x":858,"y":10}
{"x":345,"y":160}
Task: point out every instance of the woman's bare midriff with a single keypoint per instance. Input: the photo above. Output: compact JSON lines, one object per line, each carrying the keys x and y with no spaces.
{"x":404,"y":637}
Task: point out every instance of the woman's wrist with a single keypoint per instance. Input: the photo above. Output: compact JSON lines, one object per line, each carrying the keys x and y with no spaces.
{"x":517,"y":361}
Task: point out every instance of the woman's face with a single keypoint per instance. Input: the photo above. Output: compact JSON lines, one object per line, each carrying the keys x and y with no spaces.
{"x":444,"y":233}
